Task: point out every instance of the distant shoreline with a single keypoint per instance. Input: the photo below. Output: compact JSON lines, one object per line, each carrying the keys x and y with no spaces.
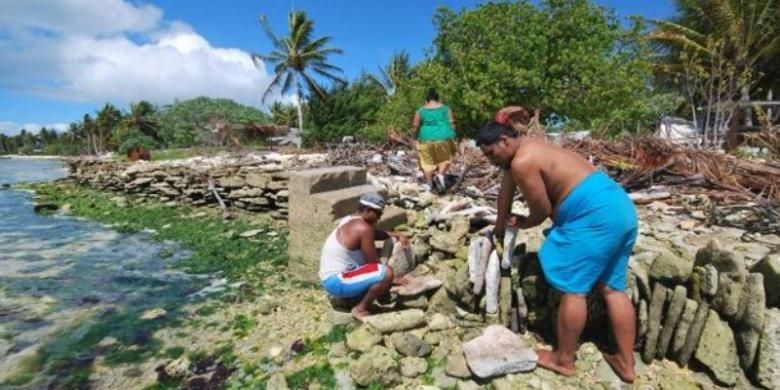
{"x":23,"y":157}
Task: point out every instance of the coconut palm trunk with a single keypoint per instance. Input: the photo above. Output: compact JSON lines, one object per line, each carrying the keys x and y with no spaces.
{"x":299,"y":106}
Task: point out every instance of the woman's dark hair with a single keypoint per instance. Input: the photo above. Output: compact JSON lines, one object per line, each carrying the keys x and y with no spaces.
{"x":432,"y":95}
{"x":490,"y":132}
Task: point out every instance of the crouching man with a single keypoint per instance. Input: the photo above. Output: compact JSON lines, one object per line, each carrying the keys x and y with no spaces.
{"x":349,"y":264}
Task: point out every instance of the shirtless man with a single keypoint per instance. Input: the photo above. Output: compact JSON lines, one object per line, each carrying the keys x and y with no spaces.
{"x":349,"y":264}
{"x":595,"y":225}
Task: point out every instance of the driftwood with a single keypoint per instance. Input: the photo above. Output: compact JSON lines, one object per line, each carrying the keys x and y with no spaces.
{"x":225,"y":213}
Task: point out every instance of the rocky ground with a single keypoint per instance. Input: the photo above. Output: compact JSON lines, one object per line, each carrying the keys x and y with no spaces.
{"x":285,"y":334}
{"x":292,"y":337}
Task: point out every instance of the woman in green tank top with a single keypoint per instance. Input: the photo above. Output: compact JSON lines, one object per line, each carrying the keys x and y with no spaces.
{"x":434,"y":132}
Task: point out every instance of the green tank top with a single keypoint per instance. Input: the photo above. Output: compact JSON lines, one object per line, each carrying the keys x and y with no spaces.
{"x":435,"y":124}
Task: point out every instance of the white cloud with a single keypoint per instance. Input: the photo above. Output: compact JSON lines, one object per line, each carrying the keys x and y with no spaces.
{"x":82,"y":50}
{"x":13,"y":128}
{"x":92,"y":17}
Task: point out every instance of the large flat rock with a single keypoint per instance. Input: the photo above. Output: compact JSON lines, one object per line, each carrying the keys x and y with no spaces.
{"x":498,"y":352}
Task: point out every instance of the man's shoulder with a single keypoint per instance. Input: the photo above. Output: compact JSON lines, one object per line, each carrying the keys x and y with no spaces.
{"x":526,"y":158}
{"x":357,"y":225}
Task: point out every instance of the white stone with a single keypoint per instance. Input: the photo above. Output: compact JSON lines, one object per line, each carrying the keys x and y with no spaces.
{"x":153,"y":314}
{"x":251,"y":233}
{"x":479,"y":252}
{"x":492,"y":282}
{"x":510,"y":240}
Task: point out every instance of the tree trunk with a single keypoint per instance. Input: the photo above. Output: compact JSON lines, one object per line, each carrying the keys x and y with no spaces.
{"x":300,"y":106}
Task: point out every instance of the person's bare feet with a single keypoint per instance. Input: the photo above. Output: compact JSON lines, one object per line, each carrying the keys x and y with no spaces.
{"x":549,"y":360}
{"x":359,"y":313}
{"x":624,"y":370}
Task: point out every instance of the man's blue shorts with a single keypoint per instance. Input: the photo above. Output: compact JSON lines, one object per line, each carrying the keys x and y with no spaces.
{"x":354,"y":283}
{"x":592,"y":237}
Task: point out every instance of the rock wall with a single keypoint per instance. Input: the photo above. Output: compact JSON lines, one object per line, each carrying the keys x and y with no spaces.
{"x":712,"y":308}
{"x":259,"y":186}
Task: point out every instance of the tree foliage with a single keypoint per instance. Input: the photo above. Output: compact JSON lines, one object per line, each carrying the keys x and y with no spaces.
{"x":568,"y":57}
{"x":395,"y":73}
{"x":182,"y":124}
{"x":186,"y":123}
{"x":283,"y":114}
{"x":344,"y":110}
{"x":745,"y":33}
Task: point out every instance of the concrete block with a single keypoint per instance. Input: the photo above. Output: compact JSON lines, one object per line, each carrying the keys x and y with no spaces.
{"x":313,"y":181}
{"x":392,"y":217}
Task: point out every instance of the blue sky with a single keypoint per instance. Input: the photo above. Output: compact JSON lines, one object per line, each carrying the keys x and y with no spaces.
{"x":59,"y":60}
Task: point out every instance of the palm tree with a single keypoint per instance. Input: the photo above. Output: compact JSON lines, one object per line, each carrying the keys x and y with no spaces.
{"x":747,"y":33}
{"x":90,"y":129}
{"x":395,"y":73}
{"x":141,"y":117}
{"x":106,"y":121}
{"x":295,"y":56}
{"x":283,"y":114}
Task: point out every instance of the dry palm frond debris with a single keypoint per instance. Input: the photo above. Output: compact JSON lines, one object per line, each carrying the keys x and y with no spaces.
{"x":769,"y":139}
{"x":636,"y":163}
{"x":642,"y":162}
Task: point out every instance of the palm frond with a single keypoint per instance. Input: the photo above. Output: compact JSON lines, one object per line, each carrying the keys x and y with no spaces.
{"x":272,"y":58}
{"x":329,"y":76}
{"x":679,"y":40}
{"x":312,"y":85}
{"x":724,"y":18}
{"x":671,"y":27}
{"x":381,"y":82}
{"x":320,"y":53}
{"x":288,"y":81}
{"x":300,"y":29}
{"x":275,"y":41}
{"x":273,"y":84}
{"x":317,"y":43}
{"x":281,"y":66}
{"x":768,"y":51}
{"x":324,"y":65}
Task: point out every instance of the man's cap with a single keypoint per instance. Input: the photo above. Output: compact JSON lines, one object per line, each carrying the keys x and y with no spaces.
{"x":373,"y":200}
